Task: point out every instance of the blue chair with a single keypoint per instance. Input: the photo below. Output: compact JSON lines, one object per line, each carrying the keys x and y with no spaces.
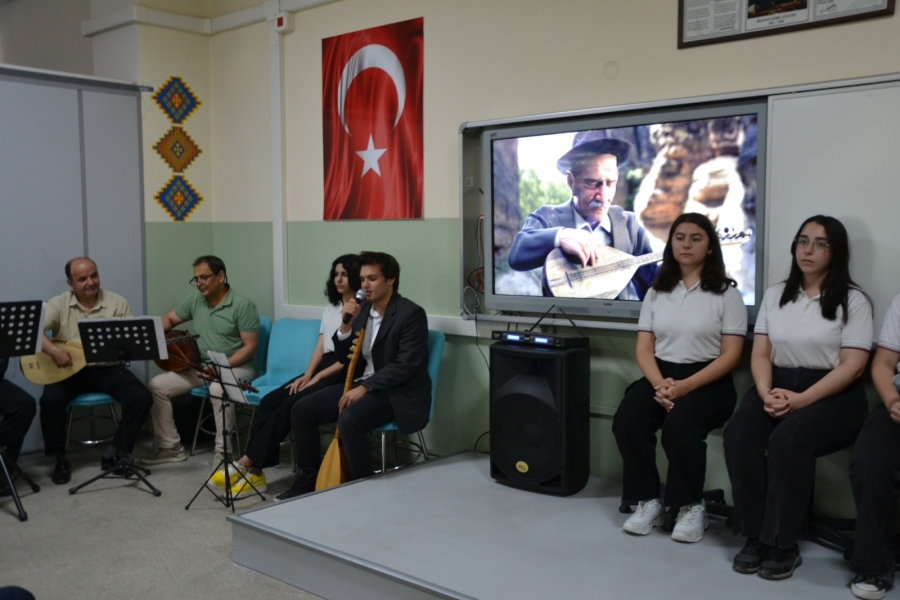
{"x":291,"y":345}
{"x":436,"y":341}
{"x":262,"y":352}
{"x":91,"y":401}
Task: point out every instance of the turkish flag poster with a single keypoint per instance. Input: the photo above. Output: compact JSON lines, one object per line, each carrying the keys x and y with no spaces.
{"x":372,"y":122}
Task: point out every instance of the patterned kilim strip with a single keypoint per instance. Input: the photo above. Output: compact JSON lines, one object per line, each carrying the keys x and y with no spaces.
{"x":177,"y":149}
{"x":178,"y":198}
{"x":176,"y":99}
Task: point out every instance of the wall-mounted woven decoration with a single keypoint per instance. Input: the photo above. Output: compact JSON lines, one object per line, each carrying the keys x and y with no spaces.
{"x":178,"y":198}
{"x":176,"y":99}
{"x":177,"y":149}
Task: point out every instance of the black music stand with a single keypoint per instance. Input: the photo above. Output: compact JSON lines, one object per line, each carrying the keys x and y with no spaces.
{"x":121,"y":341}
{"x":21,"y":333}
{"x":232,"y":393}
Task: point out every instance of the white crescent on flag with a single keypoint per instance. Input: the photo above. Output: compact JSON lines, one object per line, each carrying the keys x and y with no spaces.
{"x":373,"y":56}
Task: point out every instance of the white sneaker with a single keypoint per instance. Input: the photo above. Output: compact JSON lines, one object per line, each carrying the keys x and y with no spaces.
{"x":649,"y":514}
{"x":690,"y":524}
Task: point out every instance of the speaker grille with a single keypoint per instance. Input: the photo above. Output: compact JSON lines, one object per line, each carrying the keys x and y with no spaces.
{"x":526,"y":429}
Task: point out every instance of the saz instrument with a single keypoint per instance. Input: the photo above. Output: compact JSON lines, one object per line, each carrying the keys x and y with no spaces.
{"x":40,"y":369}
{"x":183,"y":351}
{"x":565,"y":277}
{"x":334,"y":470}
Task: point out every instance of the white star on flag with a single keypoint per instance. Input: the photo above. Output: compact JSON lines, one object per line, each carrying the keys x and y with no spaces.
{"x":370,"y":158}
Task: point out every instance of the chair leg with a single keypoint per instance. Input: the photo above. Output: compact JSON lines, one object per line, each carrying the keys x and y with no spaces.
{"x":69,"y":427}
{"x":197,"y":429}
{"x":383,"y":450}
{"x":112,"y":415}
{"x":424,"y":448}
{"x":396,"y":451}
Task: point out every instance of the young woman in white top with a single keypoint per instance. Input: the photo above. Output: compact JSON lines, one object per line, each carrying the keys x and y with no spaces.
{"x":690,"y":336}
{"x":875,"y":470}
{"x":812,"y":340}
{"x":272,"y":422}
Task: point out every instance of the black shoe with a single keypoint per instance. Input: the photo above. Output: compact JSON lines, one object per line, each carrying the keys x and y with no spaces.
{"x":302,"y":485}
{"x":62,"y":472}
{"x":109,"y":464}
{"x":747,"y":561}
{"x":779,"y":563}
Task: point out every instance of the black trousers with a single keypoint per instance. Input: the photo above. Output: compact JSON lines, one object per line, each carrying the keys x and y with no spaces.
{"x":123,"y":386}
{"x":684,"y":431}
{"x":17,"y":408}
{"x":772,"y":462}
{"x":875,"y":477}
{"x":355,"y":422}
{"x":272,"y":422}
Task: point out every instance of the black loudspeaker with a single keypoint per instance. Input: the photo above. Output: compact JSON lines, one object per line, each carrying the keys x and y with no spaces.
{"x":540,"y":430}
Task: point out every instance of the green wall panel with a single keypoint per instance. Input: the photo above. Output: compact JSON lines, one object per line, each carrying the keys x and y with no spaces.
{"x":171,"y":250}
{"x":427,"y":250}
{"x":246,"y":249}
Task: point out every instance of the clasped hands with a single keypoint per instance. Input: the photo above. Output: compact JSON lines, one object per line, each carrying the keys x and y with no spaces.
{"x":670,"y":391}
{"x":779,"y":403}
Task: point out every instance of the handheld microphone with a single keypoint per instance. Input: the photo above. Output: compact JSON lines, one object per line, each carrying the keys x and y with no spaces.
{"x":360,"y":296}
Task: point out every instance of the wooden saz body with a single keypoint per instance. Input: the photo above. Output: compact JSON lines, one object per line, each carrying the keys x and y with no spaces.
{"x":610,"y":275}
{"x":183,"y":352}
{"x":41,"y":370}
{"x":334,"y":469}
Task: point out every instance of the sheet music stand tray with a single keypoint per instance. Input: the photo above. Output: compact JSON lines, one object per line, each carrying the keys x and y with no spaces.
{"x":121,"y":341}
{"x":232,"y":393}
{"x":21,"y":333}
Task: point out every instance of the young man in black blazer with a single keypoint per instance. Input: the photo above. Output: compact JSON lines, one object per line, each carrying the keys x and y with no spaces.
{"x":393,"y":386}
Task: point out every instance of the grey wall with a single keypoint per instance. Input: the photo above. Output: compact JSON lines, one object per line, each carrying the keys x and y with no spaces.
{"x":70,"y":184}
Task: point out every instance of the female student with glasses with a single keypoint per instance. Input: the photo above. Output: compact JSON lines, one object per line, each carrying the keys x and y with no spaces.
{"x":811,"y":343}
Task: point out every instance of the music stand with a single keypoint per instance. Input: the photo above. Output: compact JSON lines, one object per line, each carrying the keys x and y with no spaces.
{"x":21,"y":333}
{"x":121,"y":341}
{"x":232,"y":393}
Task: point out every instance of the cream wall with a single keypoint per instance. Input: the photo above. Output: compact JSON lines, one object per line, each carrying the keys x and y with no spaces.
{"x":487,"y":59}
{"x":241,"y":127}
{"x":164,"y":53}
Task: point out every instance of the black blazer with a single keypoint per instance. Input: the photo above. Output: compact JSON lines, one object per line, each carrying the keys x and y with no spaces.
{"x":400,"y":354}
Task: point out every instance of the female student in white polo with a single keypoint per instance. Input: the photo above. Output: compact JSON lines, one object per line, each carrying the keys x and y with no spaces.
{"x":875,"y":470}
{"x":690,"y":336}
{"x":811,"y":343}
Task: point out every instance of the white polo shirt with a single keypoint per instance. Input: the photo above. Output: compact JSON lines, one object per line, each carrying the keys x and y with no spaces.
{"x":890,"y":329}
{"x":802,"y":337}
{"x":689,"y":323}
{"x":331,"y":322}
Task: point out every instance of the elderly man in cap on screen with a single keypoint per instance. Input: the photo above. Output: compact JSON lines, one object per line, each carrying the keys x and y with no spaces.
{"x":587,"y":221}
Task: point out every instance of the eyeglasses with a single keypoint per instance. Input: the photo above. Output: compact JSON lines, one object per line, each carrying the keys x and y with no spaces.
{"x":200,"y":279}
{"x":818,"y":245}
{"x":594,"y":184}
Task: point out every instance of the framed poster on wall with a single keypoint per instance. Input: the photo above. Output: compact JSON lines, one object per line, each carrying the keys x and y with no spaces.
{"x":703,"y":22}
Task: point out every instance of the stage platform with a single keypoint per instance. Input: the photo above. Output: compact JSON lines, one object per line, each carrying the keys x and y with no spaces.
{"x":445,"y":529}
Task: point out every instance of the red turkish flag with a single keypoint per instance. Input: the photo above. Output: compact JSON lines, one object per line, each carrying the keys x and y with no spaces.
{"x":372,"y":122}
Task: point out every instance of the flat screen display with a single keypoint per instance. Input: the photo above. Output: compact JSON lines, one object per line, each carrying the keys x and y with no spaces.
{"x":622,"y":178}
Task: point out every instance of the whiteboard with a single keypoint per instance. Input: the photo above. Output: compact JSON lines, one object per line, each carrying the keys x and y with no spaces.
{"x":837,"y":153}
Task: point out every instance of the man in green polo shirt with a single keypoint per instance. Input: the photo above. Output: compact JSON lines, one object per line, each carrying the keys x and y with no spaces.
{"x":226,"y":322}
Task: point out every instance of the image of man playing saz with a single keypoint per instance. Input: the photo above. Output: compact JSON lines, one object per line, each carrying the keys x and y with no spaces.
{"x":587,"y":228}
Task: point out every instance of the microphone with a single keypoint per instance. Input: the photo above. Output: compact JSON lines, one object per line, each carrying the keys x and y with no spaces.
{"x":360,"y":296}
